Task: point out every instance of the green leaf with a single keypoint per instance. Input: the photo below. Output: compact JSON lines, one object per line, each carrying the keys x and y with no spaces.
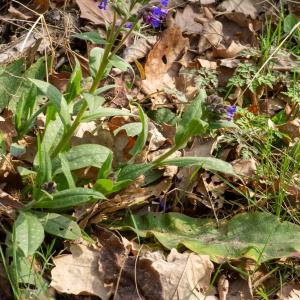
{"x":28,"y":274}
{"x":289,"y":22}
{"x":106,"y":167}
{"x":94,"y":102}
{"x":258,"y":236}
{"x":82,"y":156}
{"x":56,"y":98}
{"x":104,"y":112}
{"x":118,"y":62}
{"x":17,"y":150}
{"x":95,"y":60}
{"x":44,"y":169}
{"x":69,"y":198}
{"x":103,"y":185}
{"x":222,"y":124}
{"x":163,"y":115}
{"x":142,"y":138}
{"x":59,"y":225}
{"x":131,"y":172}
{"x":92,"y":36}
{"x":105,"y":88}
{"x":66,"y":170}
{"x":132,"y":129}
{"x":52,"y":135}
{"x":208,"y":163}
{"x":191,"y":123}
{"x":73,"y":88}
{"x":29,"y":233}
{"x":10,"y":81}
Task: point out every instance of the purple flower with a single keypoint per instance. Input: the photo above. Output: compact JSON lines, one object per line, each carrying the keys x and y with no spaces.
{"x":128,"y":25}
{"x":156,"y":16}
{"x":230,"y":112}
{"x":164,"y":3}
{"x":102,"y":4}
{"x":158,"y":12}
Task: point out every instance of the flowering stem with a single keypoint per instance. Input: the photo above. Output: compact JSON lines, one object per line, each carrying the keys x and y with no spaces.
{"x":105,"y":59}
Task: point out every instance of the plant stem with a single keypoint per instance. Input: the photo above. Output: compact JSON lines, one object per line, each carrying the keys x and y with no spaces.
{"x":104,"y":61}
{"x":165,"y":155}
{"x":99,"y":76}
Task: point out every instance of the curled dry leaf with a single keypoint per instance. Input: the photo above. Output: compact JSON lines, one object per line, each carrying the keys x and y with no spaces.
{"x":290,"y":291}
{"x":201,"y":148}
{"x":132,"y":196}
{"x":212,"y":35}
{"x":232,"y":51}
{"x":152,"y":275}
{"x":245,"y":7}
{"x":244,"y":167}
{"x":169,"y":171}
{"x":139,"y":48}
{"x":7,"y":128}
{"x":185,"y":20}
{"x":156,"y":139}
{"x":160,"y":68}
{"x":291,"y":128}
{"x":239,"y":289}
{"x":78,"y":273}
{"x":91,"y":12}
{"x":204,"y":63}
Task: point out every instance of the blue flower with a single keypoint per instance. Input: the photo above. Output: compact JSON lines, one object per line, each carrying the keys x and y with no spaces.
{"x":128,"y":25}
{"x":102,"y":4}
{"x":230,"y":112}
{"x":156,"y":16}
{"x":158,"y":12}
{"x":164,"y":3}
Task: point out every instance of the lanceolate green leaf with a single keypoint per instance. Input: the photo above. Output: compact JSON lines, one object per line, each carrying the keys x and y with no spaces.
{"x":208,"y":163}
{"x":258,"y":236}
{"x":56,"y":98}
{"x":69,"y":198}
{"x":73,"y":88}
{"x":191,"y":123}
{"x":92,"y":36}
{"x":132,"y":129}
{"x":104,"y":112}
{"x":131,"y":172}
{"x":142,"y":138}
{"x":59,"y":225}
{"x":29,"y":233}
{"x":87,"y":155}
{"x":95,"y":60}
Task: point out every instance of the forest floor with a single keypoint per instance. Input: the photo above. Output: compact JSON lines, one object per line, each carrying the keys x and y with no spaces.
{"x":150,"y":149}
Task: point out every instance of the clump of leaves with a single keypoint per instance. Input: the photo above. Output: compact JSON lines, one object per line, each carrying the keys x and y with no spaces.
{"x":245,"y":73}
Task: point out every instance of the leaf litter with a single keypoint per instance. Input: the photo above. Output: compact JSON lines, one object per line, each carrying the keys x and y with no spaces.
{"x":199,"y":223}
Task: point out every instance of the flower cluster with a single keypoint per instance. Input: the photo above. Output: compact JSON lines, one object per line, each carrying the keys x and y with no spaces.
{"x":214,"y":104}
{"x":103,"y":4}
{"x":230,"y":111}
{"x":157,"y":14}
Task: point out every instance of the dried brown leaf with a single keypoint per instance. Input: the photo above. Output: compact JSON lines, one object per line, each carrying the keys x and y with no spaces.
{"x":244,"y":167}
{"x":152,"y":275}
{"x":160,"y":68}
{"x":246,"y":7}
{"x":91,"y":12}
{"x":78,"y":273}
{"x":291,"y":128}
{"x":212,"y":35}
{"x":232,"y":51}
{"x":139,"y":48}
{"x":290,"y":291}
{"x":185,"y":20}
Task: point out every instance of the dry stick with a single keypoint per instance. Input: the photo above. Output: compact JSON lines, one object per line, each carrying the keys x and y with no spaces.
{"x":270,"y":57}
